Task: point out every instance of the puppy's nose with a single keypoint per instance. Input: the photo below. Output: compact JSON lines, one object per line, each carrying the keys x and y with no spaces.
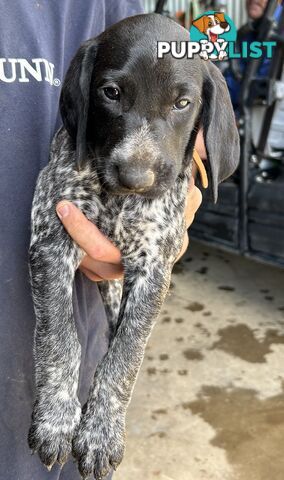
{"x":224,"y":24}
{"x":134,"y":179}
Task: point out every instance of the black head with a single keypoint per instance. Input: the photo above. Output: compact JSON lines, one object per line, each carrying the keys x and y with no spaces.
{"x":136,"y":116}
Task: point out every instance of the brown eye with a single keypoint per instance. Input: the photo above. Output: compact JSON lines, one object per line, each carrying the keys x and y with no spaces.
{"x":112,"y":93}
{"x":210,"y":24}
{"x":181,"y":104}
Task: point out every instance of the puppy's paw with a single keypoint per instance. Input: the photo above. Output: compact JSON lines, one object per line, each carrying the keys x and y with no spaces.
{"x":222,"y":55}
{"x":52,"y":429}
{"x":98,"y":445}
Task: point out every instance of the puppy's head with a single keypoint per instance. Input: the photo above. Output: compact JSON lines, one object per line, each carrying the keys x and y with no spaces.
{"x":136,"y":116}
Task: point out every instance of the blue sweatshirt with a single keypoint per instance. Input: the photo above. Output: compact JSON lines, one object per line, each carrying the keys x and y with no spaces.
{"x":38,"y":40}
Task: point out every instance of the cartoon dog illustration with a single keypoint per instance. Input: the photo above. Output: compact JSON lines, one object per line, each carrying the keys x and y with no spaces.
{"x":212,"y":26}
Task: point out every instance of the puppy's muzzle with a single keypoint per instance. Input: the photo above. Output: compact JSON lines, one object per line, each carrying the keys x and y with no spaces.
{"x":135,"y":179}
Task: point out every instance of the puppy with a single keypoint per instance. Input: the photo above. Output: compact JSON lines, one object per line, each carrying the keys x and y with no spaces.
{"x":124,"y":158}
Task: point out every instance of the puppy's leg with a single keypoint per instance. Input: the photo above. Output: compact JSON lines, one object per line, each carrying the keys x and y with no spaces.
{"x":111,"y":292}
{"x":99,"y":441}
{"x":57,"y":351}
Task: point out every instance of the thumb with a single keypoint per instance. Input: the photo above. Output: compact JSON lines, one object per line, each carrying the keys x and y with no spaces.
{"x":86,"y":234}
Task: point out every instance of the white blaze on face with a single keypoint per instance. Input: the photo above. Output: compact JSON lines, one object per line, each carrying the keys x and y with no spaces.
{"x":212,"y":18}
{"x":139,"y":144}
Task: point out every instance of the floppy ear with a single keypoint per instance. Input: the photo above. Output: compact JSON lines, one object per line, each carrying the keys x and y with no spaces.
{"x":200,"y":24}
{"x":74,"y":99}
{"x":220,"y":16}
{"x":220,"y":131}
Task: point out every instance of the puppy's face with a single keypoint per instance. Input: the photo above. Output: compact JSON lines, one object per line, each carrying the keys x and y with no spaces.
{"x":141,"y":115}
{"x":136,"y":116}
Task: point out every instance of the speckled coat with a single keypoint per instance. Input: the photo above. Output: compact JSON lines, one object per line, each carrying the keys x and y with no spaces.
{"x":143,"y":129}
{"x":149,"y":234}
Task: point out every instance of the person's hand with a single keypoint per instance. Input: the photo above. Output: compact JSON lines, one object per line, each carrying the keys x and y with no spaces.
{"x":194,"y":196}
{"x":103,"y":259}
{"x":193,"y":202}
{"x":200,"y":145}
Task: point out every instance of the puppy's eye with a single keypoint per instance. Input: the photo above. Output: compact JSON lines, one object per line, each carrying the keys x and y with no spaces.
{"x":182,"y":103}
{"x":112,"y":93}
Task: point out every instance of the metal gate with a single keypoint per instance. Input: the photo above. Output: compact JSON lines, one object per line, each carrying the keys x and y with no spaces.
{"x":234,"y":8}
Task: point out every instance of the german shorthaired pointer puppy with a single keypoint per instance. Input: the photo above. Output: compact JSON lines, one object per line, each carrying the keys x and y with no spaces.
{"x":124,"y":158}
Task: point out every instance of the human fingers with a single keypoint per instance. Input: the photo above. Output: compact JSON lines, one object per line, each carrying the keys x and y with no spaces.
{"x":97,"y":271}
{"x":86,"y":234}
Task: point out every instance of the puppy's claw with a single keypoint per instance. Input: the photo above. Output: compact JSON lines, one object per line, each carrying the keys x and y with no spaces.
{"x":113,"y":465}
{"x":49,"y":467}
{"x":62,"y":459}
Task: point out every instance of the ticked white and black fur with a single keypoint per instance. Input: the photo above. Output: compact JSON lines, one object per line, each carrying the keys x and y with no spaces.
{"x":124,"y":158}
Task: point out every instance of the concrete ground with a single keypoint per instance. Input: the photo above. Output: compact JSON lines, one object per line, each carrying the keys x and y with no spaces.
{"x":209,"y":404}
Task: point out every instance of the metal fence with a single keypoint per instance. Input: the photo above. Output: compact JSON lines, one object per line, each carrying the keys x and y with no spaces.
{"x":237,"y":11}
{"x":234,"y":8}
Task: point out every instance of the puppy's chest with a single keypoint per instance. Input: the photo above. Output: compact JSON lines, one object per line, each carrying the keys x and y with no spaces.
{"x":136,"y":226}
{"x":140,"y":227}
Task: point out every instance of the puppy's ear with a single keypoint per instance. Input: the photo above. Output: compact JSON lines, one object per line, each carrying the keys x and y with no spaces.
{"x":200,"y":24}
{"x":220,"y":17}
{"x":220,"y":131}
{"x":74,"y":99}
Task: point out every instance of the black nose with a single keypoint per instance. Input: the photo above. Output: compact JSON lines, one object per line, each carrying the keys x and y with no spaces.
{"x":224,"y":24}
{"x":134,"y":179}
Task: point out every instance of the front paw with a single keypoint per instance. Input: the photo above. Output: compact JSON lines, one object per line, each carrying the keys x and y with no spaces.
{"x":98,"y":445}
{"x":53,"y":425}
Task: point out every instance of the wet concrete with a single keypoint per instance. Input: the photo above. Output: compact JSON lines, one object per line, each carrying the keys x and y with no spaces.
{"x":239,"y":340}
{"x":250,"y":430}
{"x":209,"y":401}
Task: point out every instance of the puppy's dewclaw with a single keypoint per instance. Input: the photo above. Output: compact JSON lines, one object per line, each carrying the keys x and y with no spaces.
{"x":144,"y":130}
